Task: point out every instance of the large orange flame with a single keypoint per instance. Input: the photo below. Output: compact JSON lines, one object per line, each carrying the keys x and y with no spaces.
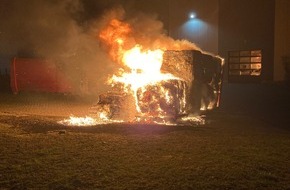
{"x":144,"y":70}
{"x":114,"y":36}
{"x":143,"y":65}
{"x":139,"y":66}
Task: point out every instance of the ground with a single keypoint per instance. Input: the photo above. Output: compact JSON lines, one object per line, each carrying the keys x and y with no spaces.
{"x":245,"y":144}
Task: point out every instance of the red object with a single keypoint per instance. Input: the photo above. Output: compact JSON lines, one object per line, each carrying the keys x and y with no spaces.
{"x":37,"y":75}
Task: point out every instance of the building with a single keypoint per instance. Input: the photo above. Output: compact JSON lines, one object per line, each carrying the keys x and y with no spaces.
{"x":252,"y":36}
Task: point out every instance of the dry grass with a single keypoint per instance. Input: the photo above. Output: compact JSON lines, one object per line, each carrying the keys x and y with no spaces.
{"x":230,"y":152}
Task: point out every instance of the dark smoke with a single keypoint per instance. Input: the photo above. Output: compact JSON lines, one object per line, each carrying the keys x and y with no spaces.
{"x":65,"y":31}
{"x":55,"y":30}
{"x":37,"y":28}
{"x":150,"y":33}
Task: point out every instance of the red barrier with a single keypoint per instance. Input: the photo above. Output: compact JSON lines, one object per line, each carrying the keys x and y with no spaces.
{"x":37,"y":75}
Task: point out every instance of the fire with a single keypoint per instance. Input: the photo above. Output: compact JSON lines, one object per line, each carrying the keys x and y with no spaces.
{"x":159,"y":97}
{"x":148,"y":62}
{"x":87,"y":121}
{"x":140,"y":67}
{"x":79,"y":121}
{"x":144,"y":68}
{"x":116,"y":36}
{"x":103,"y":116}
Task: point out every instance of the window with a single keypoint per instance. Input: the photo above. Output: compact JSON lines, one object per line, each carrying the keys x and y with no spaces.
{"x":245,"y":63}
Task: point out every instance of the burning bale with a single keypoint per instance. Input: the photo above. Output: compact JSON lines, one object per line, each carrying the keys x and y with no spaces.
{"x":114,"y":106}
{"x":157,"y":102}
{"x":162,"y":101}
{"x":195,"y":87}
{"x":203,"y":74}
{"x":179,"y":63}
{"x":159,"y":80}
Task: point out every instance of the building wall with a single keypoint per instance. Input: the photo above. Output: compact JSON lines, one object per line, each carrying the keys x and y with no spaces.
{"x":248,"y":25}
{"x":282,"y":37}
{"x":226,"y":25}
{"x":203,"y":30}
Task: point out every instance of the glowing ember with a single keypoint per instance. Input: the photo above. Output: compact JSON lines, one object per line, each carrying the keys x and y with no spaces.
{"x":87,"y":121}
{"x":103,"y":116}
{"x":79,"y":121}
{"x":197,"y":120}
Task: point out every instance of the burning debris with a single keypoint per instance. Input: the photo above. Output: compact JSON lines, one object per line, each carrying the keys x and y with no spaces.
{"x":114,"y":106}
{"x":203,"y":74}
{"x":79,"y":121}
{"x":164,"y":83}
{"x":195,"y":88}
{"x":165,"y":99}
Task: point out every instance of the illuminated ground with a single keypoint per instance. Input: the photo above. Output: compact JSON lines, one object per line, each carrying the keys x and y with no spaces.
{"x":245,"y":145}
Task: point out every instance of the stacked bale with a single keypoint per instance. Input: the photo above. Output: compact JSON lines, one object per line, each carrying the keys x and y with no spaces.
{"x":165,"y":99}
{"x":197,"y":88}
{"x":114,"y":106}
{"x":202,"y":72}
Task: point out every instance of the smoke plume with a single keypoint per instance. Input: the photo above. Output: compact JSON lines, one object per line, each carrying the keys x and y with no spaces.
{"x":54,"y":30}
{"x":66,"y":32}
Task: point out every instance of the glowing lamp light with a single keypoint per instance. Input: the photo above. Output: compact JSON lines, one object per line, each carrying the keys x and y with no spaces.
{"x":192,"y":15}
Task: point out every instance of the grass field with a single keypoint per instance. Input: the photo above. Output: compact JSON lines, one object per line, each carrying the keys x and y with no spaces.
{"x":232,"y":151}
